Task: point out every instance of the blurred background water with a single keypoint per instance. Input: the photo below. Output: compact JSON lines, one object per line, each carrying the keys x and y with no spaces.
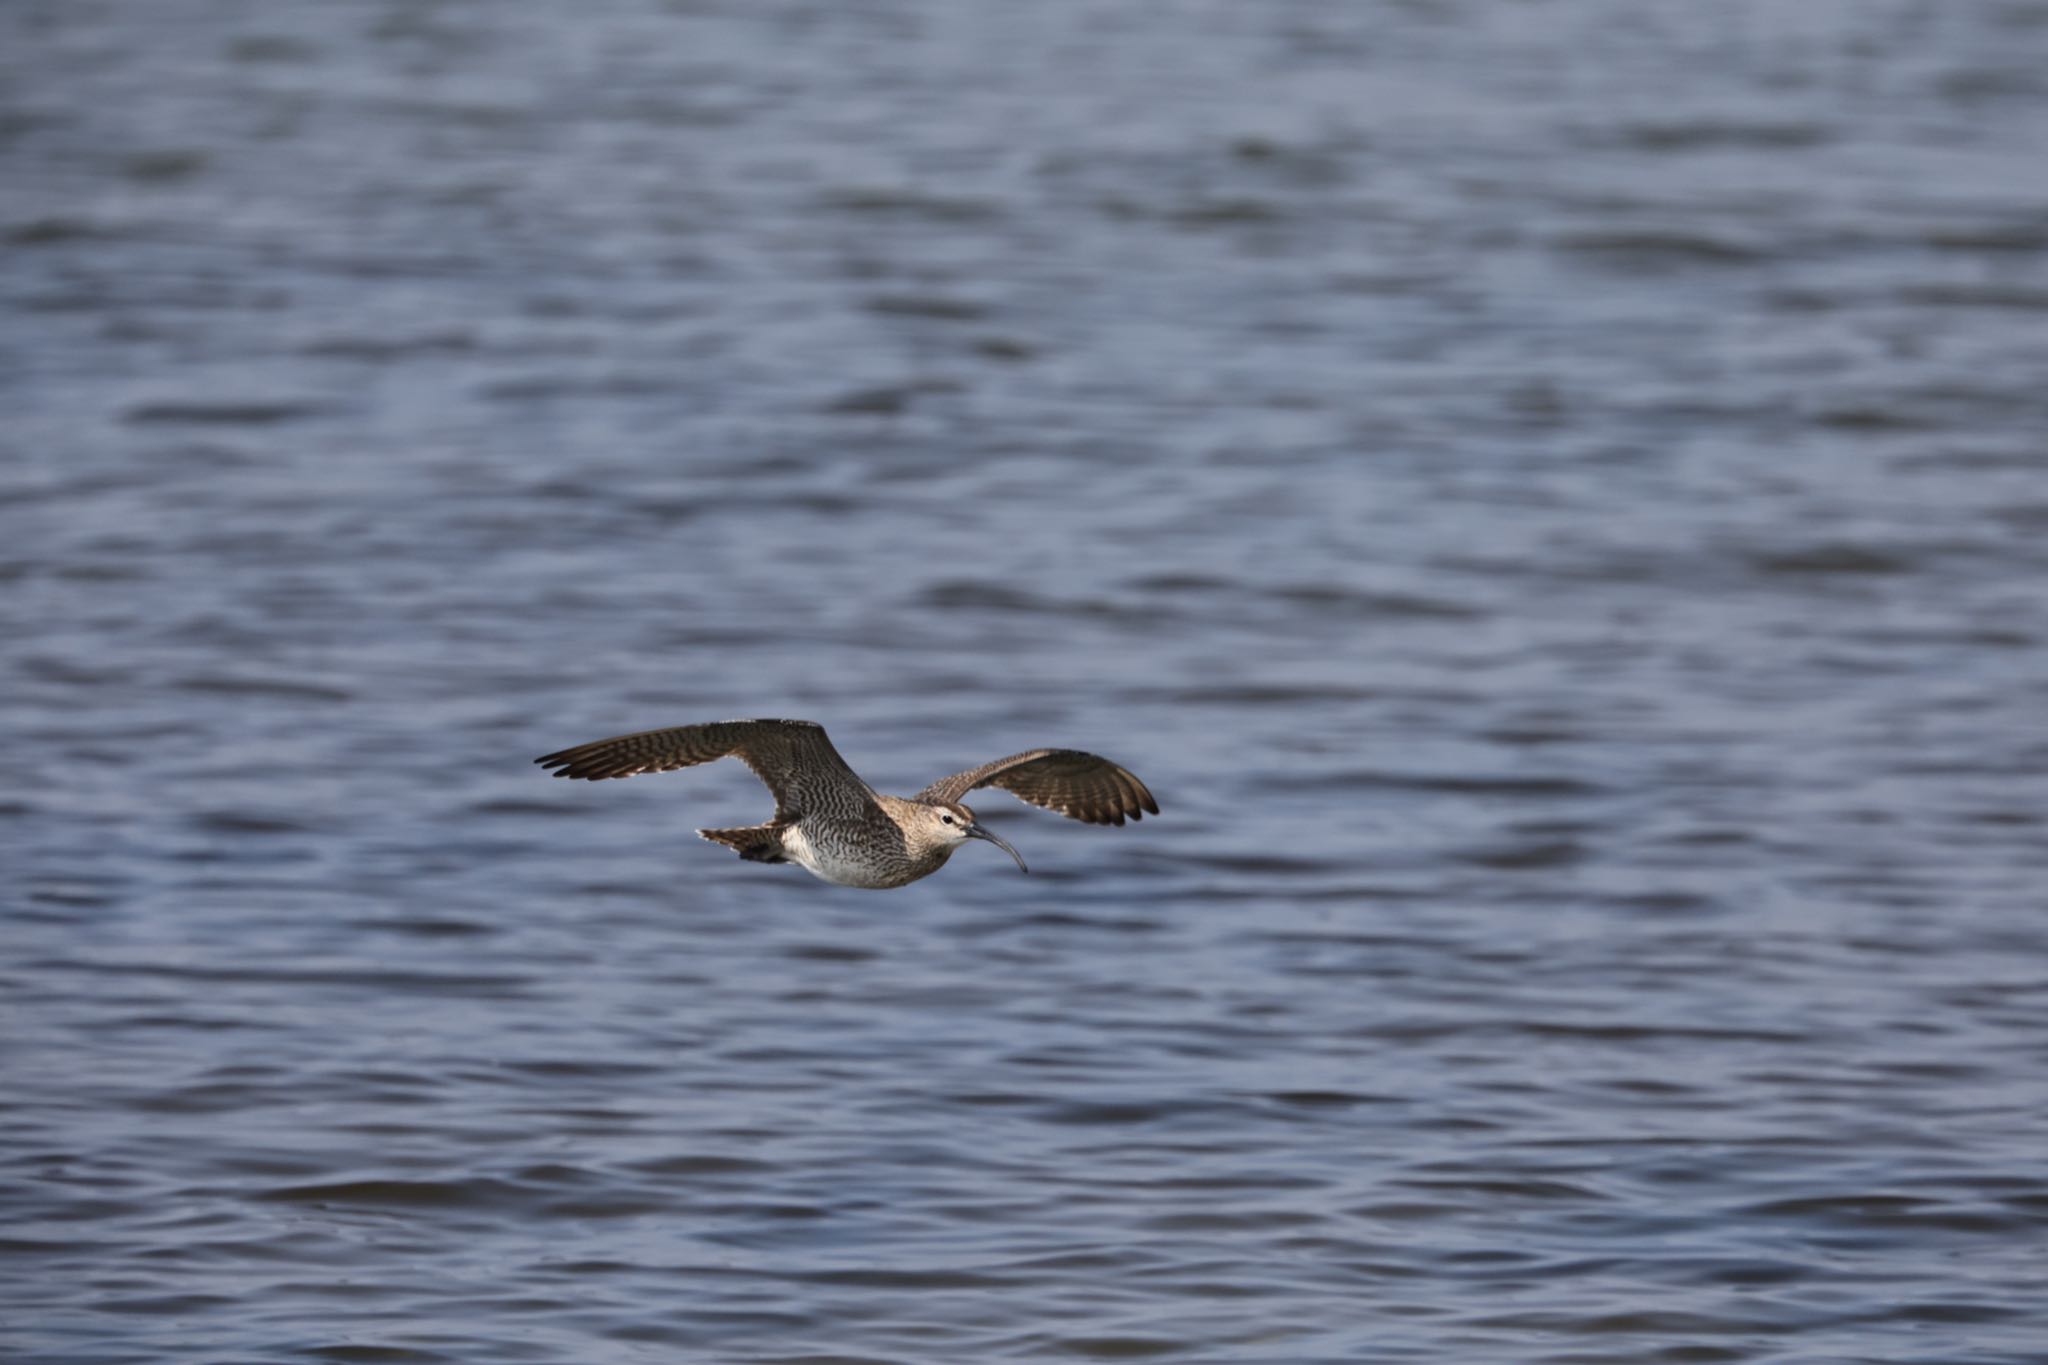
{"x":1551,"y":495}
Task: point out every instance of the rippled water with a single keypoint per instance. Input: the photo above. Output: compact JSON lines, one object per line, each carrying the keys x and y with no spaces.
{"x":1552,"y":496}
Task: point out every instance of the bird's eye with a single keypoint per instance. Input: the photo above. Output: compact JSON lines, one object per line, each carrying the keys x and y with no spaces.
{"x":947,"y":818}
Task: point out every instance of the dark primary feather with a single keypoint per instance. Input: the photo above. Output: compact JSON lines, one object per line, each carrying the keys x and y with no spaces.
{"x":1078,"y":785}
{"x":793,"y":757}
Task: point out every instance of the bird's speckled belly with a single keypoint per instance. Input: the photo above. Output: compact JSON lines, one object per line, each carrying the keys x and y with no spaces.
{"x":852,"y":861}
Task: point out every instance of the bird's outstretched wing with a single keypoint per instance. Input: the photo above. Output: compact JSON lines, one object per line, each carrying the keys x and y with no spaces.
{"x":793,"y":757}
{"x":1077,"y":785}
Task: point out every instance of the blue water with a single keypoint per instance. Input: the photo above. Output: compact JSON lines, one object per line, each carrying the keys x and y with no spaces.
{"x":1552,"y":497}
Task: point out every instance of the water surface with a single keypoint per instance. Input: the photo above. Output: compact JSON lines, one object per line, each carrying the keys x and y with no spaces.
{"x":1550,"y":496}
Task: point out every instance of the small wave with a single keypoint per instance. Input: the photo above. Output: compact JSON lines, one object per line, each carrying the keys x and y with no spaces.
{"x":1711,"y":135}
{"x":1833,"y":558}
{"x":902,"y":203}
{"x":1533,"y":786}
{"x":224,"y":412}
{"x":934,"y":307}
{"x":232,"y":685}
{"x":1649,"y":248}
{"x":476,"y":1192}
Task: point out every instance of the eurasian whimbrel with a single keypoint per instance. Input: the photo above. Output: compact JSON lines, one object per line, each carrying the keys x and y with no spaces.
{"x":837,"y":827}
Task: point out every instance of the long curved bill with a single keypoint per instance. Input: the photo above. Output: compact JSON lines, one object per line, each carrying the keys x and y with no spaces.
{"x":975,"y":831}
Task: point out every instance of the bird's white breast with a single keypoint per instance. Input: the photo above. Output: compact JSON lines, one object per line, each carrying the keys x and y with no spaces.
{"x":828,"y":865}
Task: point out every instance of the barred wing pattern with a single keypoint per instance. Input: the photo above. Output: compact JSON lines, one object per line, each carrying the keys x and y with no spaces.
{"x":793,"y":757}
{"x":1079,"y":786}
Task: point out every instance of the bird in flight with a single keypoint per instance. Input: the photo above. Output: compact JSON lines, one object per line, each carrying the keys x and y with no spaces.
{"x":836,"y":826}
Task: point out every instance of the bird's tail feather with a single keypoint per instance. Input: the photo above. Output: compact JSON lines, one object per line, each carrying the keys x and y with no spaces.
{"x":755,"y":843}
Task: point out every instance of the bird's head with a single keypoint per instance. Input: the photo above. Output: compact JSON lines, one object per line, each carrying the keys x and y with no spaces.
{"x":950,"y":824}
